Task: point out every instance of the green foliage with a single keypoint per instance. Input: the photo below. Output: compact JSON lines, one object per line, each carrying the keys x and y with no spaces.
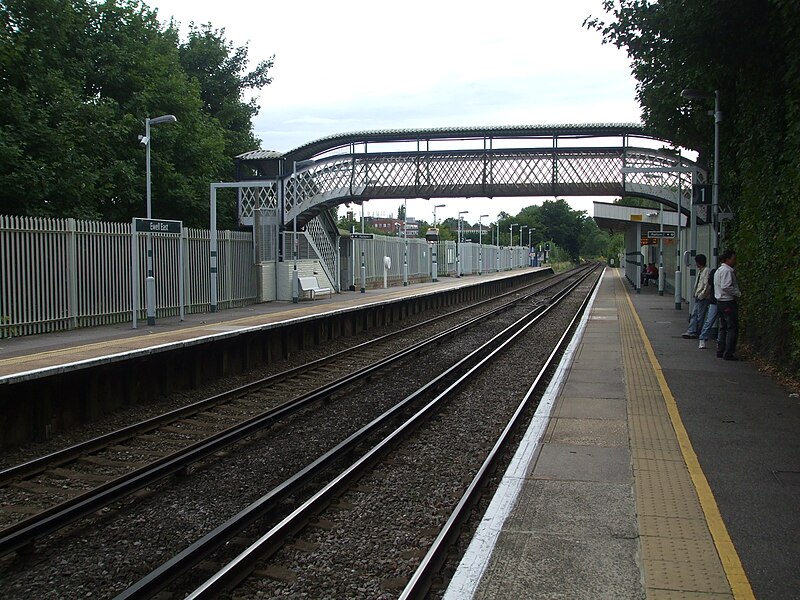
{"x":78,"y":79}
{"x":748,"y":50}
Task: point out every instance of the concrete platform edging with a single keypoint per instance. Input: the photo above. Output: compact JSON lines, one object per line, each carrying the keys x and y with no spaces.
{"x":479,"y":552}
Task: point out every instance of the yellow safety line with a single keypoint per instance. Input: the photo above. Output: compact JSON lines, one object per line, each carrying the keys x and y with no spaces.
{"x":737,"y":579}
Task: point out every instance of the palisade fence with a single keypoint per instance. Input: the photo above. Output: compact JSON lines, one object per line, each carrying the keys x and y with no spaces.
{"x":492,"y":258}
{"x":64,"y":273}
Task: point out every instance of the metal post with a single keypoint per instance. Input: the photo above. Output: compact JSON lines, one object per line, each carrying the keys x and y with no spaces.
{"x":678,"y":272}
{"x":715,"y":187}
{"x":134,"y":272}
{"x":693,"y":251}
{"x":434,"y":262}
{"x":363,"y":274}
{"x":661,"y":274}
{"x":181,"y":290}
{"x":458,"y":248}
{"x":150,"y":282}
{"x":458,"y":243}
{"x":480,"y":244}
{"x":405,"y":247}
{"x":295,"y":273}
{"x":435,"y":248}
{"x":212,"y":246}
{"x":511,"y":261}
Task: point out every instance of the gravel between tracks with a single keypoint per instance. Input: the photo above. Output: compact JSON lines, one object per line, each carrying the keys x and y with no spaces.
{"x":101,"y":556}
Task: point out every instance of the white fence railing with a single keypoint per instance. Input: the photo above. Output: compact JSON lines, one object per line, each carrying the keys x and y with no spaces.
{"x":63,"y":273}
{"x":419,"y":258}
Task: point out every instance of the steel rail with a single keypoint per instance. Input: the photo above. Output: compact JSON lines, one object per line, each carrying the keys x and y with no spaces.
{"x":240,"y":567}
{"x":25,"y":532}
{"x":420,"y":582}
{"x":61,"y":457}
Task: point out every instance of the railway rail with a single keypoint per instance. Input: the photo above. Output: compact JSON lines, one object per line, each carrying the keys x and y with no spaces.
{"x":196,"y":432}
{"x":427,"y":415}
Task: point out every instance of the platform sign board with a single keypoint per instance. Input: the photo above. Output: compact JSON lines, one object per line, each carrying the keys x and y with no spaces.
{"x":362,"y":236}
{"x":646,"y":241}
{"x":150,"y":226}
{"x":156,"y":226}
{"x":661,"y":234}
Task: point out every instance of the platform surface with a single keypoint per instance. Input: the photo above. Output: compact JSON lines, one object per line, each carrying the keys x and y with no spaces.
{"x":53,"y":350}
{"x":653,"y":469}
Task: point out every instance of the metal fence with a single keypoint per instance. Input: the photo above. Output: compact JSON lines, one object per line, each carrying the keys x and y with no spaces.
{"x":418,"y":255}
{"x":63,"y":273}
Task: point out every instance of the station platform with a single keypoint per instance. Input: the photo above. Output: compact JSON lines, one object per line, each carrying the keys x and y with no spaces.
{"x":652,"y":469}
{"x":66,"y":349}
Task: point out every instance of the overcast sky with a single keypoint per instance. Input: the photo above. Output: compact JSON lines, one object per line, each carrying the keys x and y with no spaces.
{"x":352,"y":65}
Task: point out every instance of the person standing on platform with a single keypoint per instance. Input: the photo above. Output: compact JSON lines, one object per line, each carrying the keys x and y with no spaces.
{"x":711,"y":313}
{"x":701,"y":292}
{"x":727,"y":292}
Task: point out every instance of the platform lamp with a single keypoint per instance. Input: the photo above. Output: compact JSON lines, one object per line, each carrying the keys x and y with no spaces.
{"x":435,"y":206}
{"x":693,"y":94}
{"x":480,"y":244}
{"x":522,"y":236}
{"x":151,"y":280}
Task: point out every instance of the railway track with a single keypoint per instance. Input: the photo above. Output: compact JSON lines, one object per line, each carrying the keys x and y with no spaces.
{"x":417,"y":452}
{"x":56,"y":490}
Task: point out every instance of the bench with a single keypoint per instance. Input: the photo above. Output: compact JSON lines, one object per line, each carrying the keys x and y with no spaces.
{"x":311,"y":285}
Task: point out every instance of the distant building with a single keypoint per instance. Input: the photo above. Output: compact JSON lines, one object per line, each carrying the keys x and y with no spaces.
{"x":391,"y":226}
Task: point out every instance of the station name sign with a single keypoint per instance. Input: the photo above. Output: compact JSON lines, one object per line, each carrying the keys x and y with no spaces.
{"x":661,"y":234}
{"x":157,"y":226}
{"x":362,"y":236}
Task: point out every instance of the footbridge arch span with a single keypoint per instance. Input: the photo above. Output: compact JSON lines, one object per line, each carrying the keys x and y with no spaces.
{"x":295,"y":190}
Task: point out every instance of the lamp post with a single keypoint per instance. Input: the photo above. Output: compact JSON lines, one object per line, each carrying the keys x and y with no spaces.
{"x":693,"y":94}
{"x":434,"y":212}
{"x":480,"y":244}
{"x":151,"y":280}
{"x":522,"y":237}
{"x":458,"y":243}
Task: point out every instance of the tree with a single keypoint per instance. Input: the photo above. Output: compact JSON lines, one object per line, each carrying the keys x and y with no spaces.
{"x":563,"y":225}
{"x":78,"y":79}
{"x":220,"y":70}
{"x":749,"y":51}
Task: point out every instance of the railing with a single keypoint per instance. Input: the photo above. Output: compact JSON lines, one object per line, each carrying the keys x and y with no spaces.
{"x":62,"y":274}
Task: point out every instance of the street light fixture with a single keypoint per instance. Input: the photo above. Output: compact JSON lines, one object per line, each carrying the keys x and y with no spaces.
{"x":480,"y":244}
{"x":434,"y":212}
{"x":693,"y":94}
{"x":522,"y":235}
{"x":151,"y":280}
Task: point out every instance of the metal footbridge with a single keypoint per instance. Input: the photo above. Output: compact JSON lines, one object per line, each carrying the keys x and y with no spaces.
{"x":295,"y":190}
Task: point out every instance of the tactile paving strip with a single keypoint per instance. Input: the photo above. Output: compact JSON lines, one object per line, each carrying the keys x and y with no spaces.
{"x":679,"y":557}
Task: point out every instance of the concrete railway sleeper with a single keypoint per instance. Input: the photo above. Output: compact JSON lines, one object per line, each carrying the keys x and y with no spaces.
{"x":428,"y":402}
{"x":112,"y":487}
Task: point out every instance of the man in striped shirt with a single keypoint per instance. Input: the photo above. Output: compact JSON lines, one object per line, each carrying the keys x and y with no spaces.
{"x":727,"y":293}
